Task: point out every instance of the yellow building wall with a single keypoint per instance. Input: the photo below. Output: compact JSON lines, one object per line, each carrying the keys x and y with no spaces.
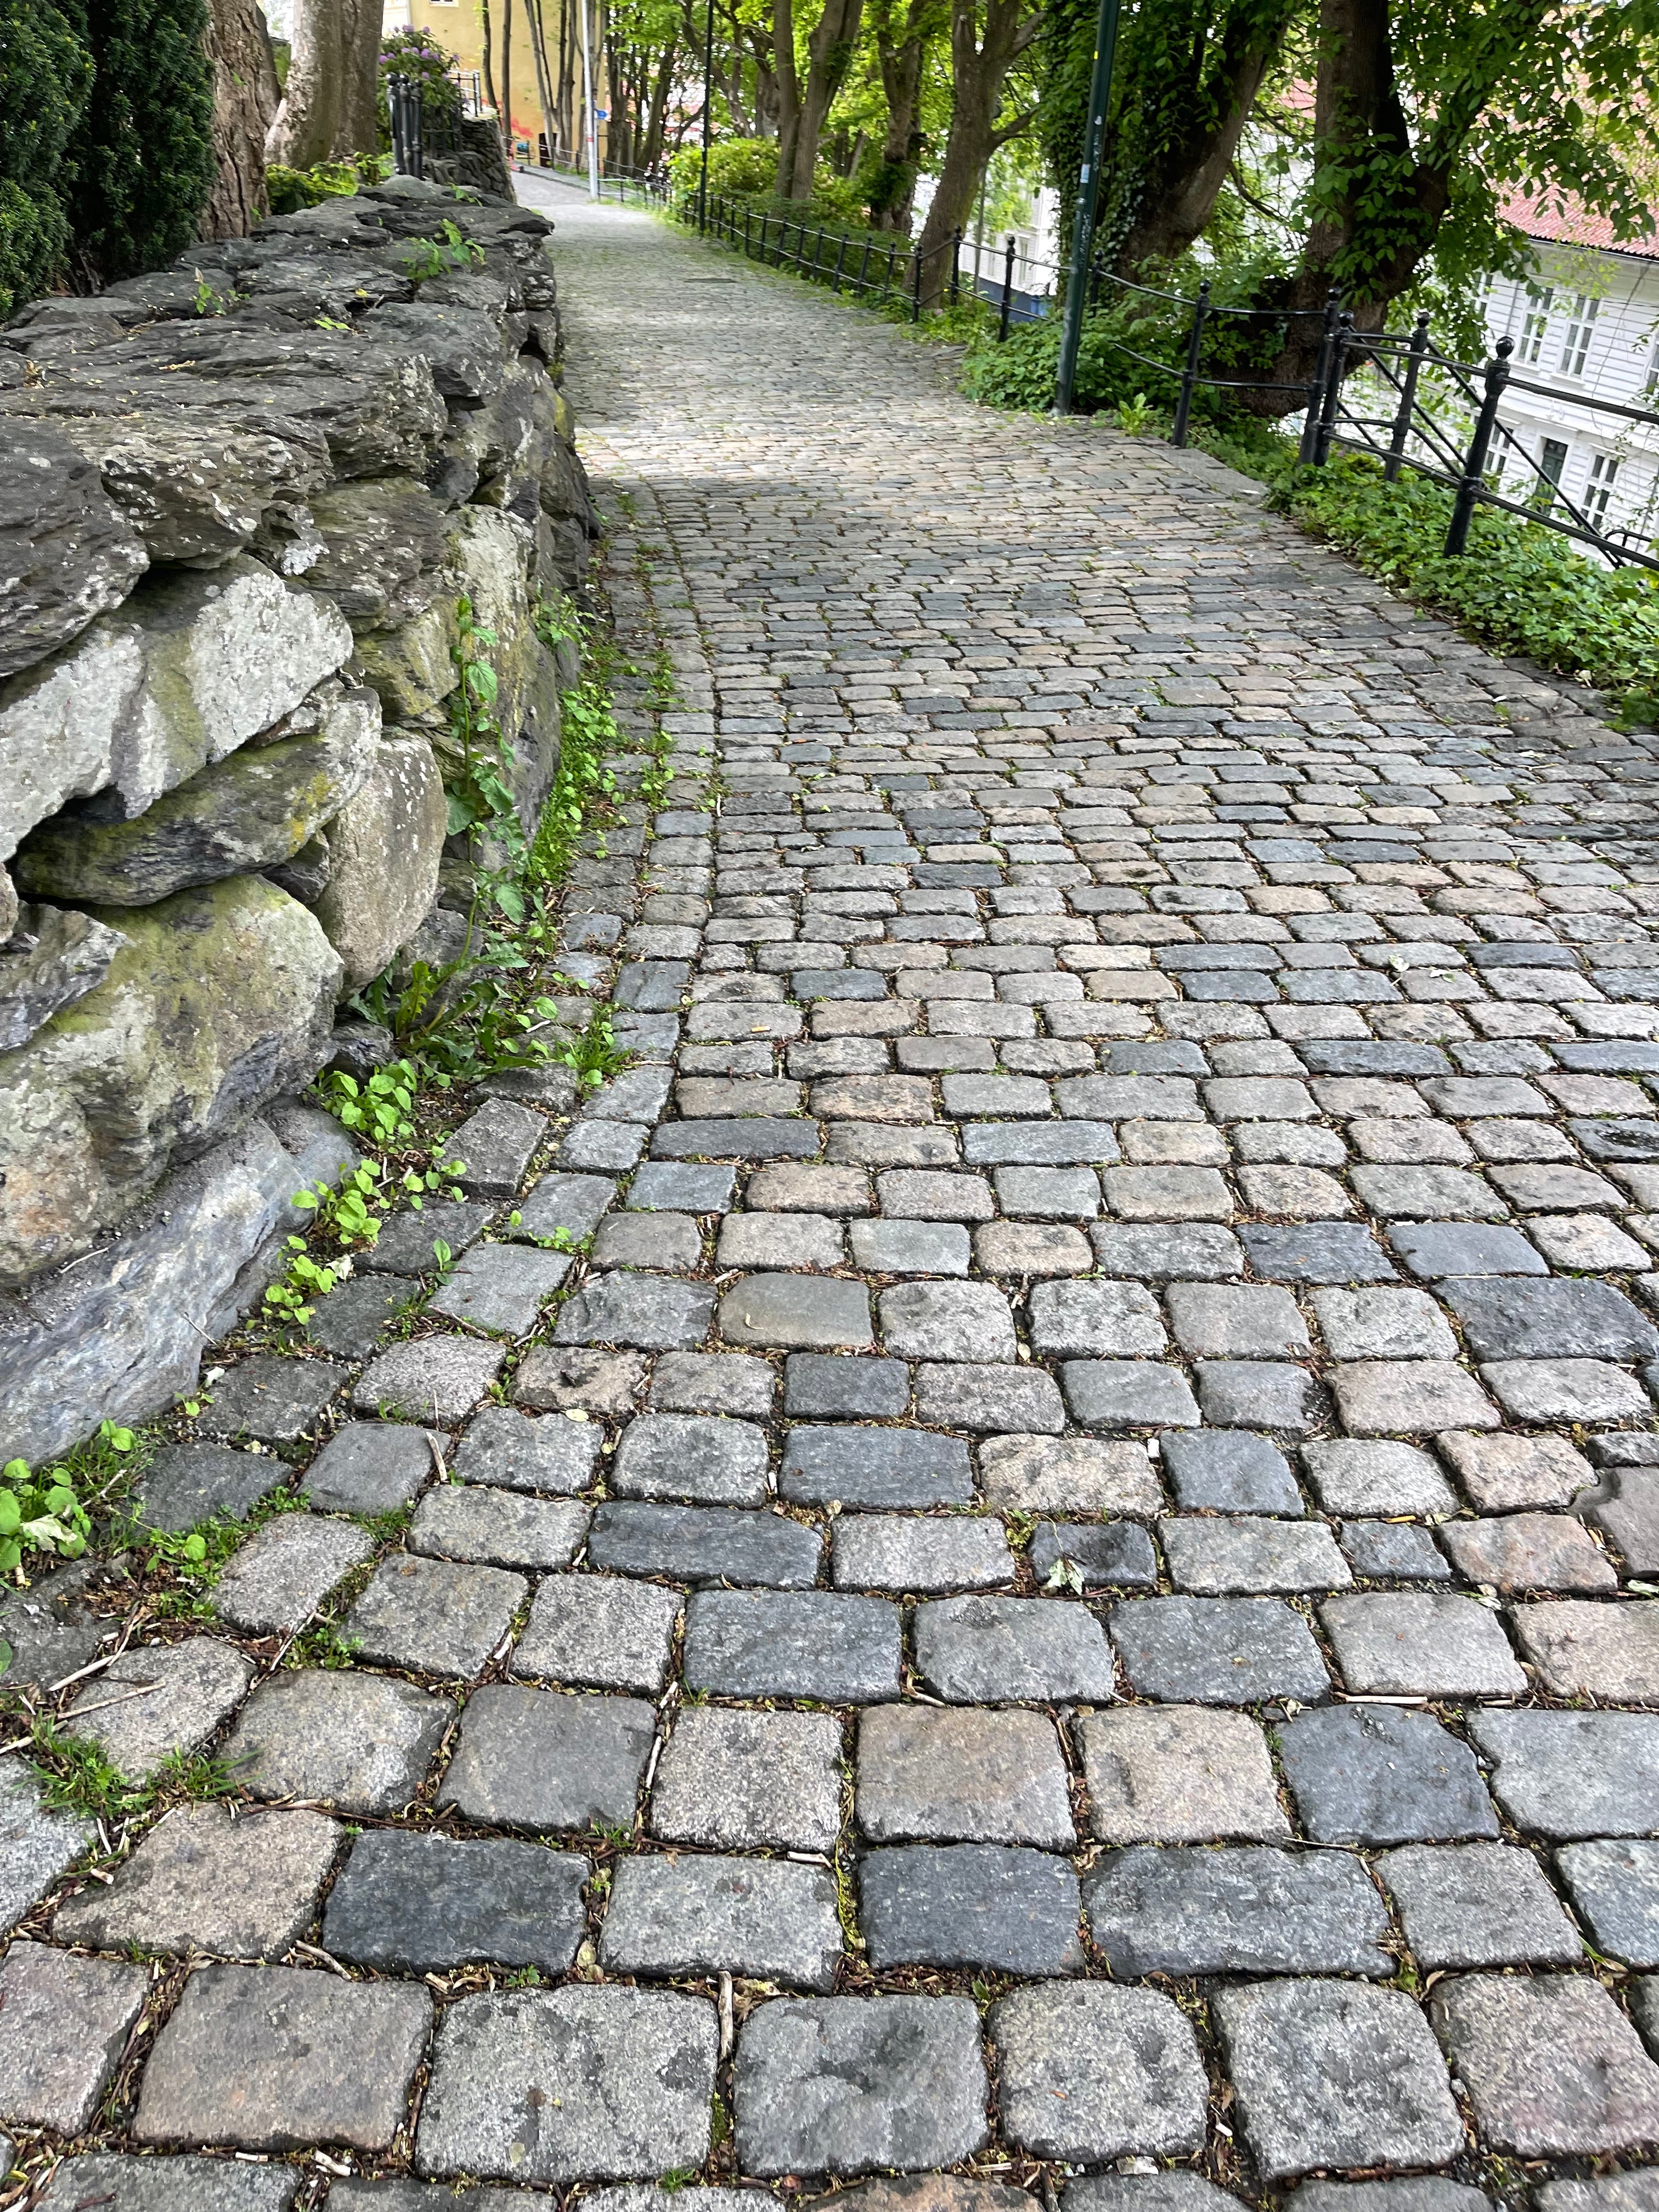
{"x":458,"y":26}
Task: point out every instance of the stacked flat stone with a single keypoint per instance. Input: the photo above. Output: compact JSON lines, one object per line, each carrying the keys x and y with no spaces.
{"x":241,"y":503}
{"x":1054,"y":1600}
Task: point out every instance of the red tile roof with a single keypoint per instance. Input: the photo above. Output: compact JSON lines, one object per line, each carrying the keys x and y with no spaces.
{"x":1561,"y":220}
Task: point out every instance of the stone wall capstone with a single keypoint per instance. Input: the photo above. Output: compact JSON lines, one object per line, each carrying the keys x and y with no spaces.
{"x":240,"y":501}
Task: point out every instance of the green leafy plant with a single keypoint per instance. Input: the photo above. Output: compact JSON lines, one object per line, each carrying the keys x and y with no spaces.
{"x":322,"y":1645}
{"x":43,"y":1511}
{"x":140,"y":166}
{"x":588,"y":733}
{"x":593,"y":1053}
{"x":45,"y":78}
{"x":422,"y":259}
{"x":353,"y":1209}
{"x":305,"y":1280}
{"x":1136,"y":416}
{"x":380,"y":1111}
{"x":289,"y":191}
{"x":76,"y":1777}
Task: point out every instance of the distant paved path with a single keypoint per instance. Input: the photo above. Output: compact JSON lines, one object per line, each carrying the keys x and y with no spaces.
{"x":1093,"y":1610}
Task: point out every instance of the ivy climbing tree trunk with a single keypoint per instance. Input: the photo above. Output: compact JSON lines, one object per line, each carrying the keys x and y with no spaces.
{"x":1377,"y":199}
{"x":245,"y":98}
{"x":980,"y":61}
{"x":327,"y":112}
{"x":1197,"y":109}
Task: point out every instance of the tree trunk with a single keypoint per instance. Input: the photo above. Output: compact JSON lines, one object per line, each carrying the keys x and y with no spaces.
{"x":487,"y":48}
{"x":763,"y":52}
{"x":1378,"y":203}
{"x":831,"y":51}
{"x":245,"y":98}
{"x":653,"y":152}
{"x":902,"y":54}
{"x":979,"y":71}
{"x":788,"y":85}
{"x":328,"y":111}
{"x":1209,"y":101}
{"x":509,"y":136}
{"x":532,"y":11}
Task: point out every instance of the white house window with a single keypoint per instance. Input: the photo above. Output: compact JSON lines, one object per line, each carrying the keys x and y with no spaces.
{"x":1604,"y":472}
{"x":1537,"y":322}
{"x":1552,"y":463}
{"x":1650,"y":385}
{"x":1580,"y":328}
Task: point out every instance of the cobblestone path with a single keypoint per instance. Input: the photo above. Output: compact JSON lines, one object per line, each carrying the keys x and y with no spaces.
{"x":1057,"y":1598}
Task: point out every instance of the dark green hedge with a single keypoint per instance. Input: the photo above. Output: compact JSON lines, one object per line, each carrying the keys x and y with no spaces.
{"x":106,"y":139}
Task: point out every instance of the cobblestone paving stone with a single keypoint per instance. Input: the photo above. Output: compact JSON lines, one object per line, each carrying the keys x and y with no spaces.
{"x":1056,"y":1596}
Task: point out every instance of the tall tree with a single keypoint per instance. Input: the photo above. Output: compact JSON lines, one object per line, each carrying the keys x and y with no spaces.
{"x":1188,"y":74}
{"x":142,"y":153}
{"x":987,"y":39}
{"x":902,"y":38}
{"x":509,"y":135}
{"x":831,"y":47}
{"x":328,"y":110}
{"x":1426,"y":117}
{"x":245,"y":97}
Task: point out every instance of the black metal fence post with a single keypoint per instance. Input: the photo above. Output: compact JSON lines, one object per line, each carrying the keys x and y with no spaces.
{"x":915,"y":288}
{"x":863,"y":265}
{"x":955,"y":264}
{"x":403,"y":100}
{"x":1402,"y":420}
{"x":1190,"y":375}
{"x":1333,"y":398}
{"x":1007,"y":291}
{"x":841,"y":264}
{"x":1474,"y":464}
{"x":1305,"y":451}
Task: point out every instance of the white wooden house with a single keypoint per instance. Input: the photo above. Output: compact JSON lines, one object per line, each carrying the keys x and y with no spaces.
{"x":1584,"y":320}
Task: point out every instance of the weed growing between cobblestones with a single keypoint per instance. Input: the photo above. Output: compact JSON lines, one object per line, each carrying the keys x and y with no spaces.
{"x":40,"y":1513}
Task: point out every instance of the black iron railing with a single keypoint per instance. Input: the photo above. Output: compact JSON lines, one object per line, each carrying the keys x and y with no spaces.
{"x":617,"y":181}
{"x":421,"y":126}
{"x":1472,"y":455}
{"x":877,"y":269}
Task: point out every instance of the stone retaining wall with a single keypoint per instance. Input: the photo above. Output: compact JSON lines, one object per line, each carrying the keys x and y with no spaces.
{"x":239,"y":500}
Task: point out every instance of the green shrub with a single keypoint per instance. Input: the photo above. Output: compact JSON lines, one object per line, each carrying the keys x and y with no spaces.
{"x":1520,"y":588}
{"x":290,"y":190}
{"x":144,"y":151}
{"x":46,"y":73}
{"x":738,"y":168}
{"x":746,"y":169}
